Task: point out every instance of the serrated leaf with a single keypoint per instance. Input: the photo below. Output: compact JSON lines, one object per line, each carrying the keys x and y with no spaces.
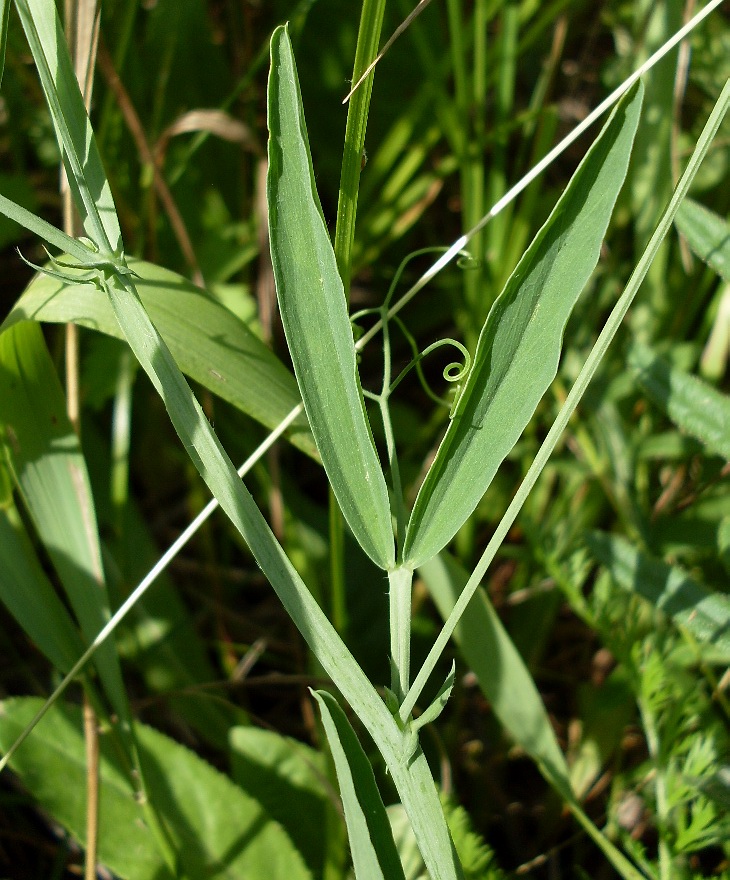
{"x":693,"y":405}
{"x":704,"y":613}
{"x":314,"y":314}
{"x":371,"y":840}
{"x":215,"y":829}
{"x":209,"y":343}
{"x":519,"y":347}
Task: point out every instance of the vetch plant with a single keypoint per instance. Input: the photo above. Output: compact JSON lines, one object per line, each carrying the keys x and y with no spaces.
{"x":499,"y":387}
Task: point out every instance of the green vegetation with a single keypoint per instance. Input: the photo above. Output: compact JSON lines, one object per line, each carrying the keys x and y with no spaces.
{"x":460,"y":620}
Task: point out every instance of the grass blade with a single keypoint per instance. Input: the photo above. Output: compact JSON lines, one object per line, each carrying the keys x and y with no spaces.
{"x":374,"y":855}
{"x":28,"y":595}
{"x":85,"y":171}
{"x":314,"y":313}
{"x":519,"y":347}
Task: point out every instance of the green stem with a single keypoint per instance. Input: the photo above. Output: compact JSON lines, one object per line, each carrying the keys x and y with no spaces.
{"x":368,"y":39}
{"x":660,"y":787}
{"x":399,"y":598}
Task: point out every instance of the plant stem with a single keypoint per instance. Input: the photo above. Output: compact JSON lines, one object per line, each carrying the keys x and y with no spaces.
{"x":368,"y":39}
{"x":399,"y":599}
{"x":648,"y":720}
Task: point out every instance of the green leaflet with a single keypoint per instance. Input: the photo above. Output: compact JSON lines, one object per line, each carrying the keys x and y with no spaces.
{"x":690,"y":604}
{"x":708,"y":235}
{"x":216,"y":829}
{"x":314,"y":313}
{"x":371,"y":840}
{"x":519,"y":348}
{"x":693,"y":405}
{"x":209,"y":343}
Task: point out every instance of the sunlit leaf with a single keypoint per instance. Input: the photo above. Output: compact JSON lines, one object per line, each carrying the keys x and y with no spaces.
{"x":519,"y":348}
{"x":314,"y":313}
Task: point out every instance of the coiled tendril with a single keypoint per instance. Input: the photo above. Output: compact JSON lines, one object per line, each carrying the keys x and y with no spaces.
{"x":454,"y":372}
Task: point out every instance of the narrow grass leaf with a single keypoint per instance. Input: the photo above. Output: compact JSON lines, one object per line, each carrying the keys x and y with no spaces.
{"x":707,"y":234}
{"x":706,"y":615}
{"x":48,"y":467}
{"x":374,"y":855}
{"x":693,"y":405}
{"x":84,"y":169}
{"x":314,"y":313}
{"x":499,"y":668}
{"x":519,"y":348}
{"x":215,"y":828}
{"x":209,"y":343}
{"x":28,"y":595}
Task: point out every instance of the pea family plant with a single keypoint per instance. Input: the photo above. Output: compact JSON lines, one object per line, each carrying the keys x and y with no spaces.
{"x":149,"y":781}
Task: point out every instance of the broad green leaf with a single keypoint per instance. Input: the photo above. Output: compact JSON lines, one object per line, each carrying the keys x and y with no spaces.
{"x":693,"y":405}
{"x":290,"y":781}
{"x":29,"y":597}
{"x":215,"y":828}
{"x":209,"y":343}
{"x":707,"y":234}
{"x":49,"y":470}
{"x":374,"y":855}
{"x":519,"y":348}
{"x":499,"y":668}
{"x":706,"y":615}
{"x":314,"y":313}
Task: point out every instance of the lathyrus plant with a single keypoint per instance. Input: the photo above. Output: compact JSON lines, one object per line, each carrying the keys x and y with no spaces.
{"x":515,"y":361}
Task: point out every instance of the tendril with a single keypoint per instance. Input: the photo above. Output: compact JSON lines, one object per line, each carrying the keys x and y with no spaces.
{"x":466,"y":261}
{"x":454,"y":372}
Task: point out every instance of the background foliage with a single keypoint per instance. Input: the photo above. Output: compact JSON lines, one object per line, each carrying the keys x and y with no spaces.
{"x":613,"y":582}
